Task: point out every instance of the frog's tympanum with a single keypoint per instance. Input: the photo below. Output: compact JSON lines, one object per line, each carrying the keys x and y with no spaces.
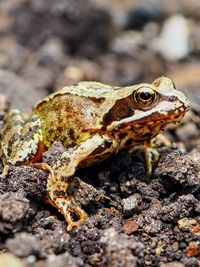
{"x":92,"y":121}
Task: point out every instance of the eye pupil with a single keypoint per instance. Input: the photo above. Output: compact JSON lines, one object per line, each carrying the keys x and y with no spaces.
{"x":145,"y":95}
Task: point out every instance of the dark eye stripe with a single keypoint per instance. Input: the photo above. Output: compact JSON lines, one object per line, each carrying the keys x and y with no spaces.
{"x":123,"y":108}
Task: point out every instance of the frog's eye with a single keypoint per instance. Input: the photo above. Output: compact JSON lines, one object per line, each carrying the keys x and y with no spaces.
{"x":145,"y":96}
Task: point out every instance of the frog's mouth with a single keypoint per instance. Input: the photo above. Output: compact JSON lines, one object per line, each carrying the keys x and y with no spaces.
{"x":173,"y":117}
{"x":150,"y":126}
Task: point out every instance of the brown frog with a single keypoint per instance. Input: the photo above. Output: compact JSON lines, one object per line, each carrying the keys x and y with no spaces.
{"x":92,"y":121}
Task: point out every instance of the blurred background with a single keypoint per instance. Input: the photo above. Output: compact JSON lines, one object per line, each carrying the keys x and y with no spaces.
{"x":46,"y":44}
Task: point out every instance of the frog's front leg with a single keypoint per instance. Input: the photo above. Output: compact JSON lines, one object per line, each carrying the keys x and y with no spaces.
{"x":151,"y":155}
{"x":65,"y":168}
{"x":21,"y":140}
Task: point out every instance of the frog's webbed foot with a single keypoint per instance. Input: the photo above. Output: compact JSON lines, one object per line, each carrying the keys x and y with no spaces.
{"x":72,"y":213}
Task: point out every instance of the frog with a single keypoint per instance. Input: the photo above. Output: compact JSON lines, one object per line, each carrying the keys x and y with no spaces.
{"x":92,"y":121}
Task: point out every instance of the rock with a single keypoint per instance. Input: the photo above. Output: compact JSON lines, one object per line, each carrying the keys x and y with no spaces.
{"x":22,"y":245}
{"x":196,"y":229}
{"x":187,"y":132}
{"x":191,"y":261}
{"x":147,"y":191}
{"x":187,"y":78}
{"x":14,"y":210}
{"x":184,"y":206}
{"x":61,"y":19}
{"x":130,"y":226}
{"x":51,"y":241}
{"x":37,"y":76}
{"x":53,"y":154}
{"x":129,"y":69}
{"x":173,"y":42}
{"x":128,"y":42}
{"x":153,"y":227}
{"x":20,"y":94}
{"x":9,"y":260}
{"x":52,"y":49}
{"x":64,"y":260}
{"x":131,"y":204}
{"x":85,"y":240}
{"x":180,"y":169}
{"x":120,"y":250}
{"x":43,"y":244}
{"x":78,"y":70}
{"x":84,"y":193}
{"x":13,"y":56}
{"x":150,"y":222}
{"x":193,"y":249}
{"x":28,"y":180}
{"x":142,"y":14}
{"x":172,"y":264}
{"x":186,"y":224}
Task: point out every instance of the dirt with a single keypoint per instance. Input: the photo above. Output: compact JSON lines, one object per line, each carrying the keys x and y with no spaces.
{"x":133,"y":220}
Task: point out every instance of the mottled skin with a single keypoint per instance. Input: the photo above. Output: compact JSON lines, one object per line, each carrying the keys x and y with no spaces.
{"x":92,"y":121}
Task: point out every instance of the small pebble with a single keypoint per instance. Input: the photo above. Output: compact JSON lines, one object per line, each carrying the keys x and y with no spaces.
{"x":174,"y":42}
{"x":131,"y":204}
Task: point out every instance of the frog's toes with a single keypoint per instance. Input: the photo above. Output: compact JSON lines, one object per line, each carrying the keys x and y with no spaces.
{"x":81,"y":214}
{"x":73,"y":214}
{"x":162,"y":140}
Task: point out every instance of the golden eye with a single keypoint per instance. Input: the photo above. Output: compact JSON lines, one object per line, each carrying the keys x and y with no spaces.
{"x":145,"y":96}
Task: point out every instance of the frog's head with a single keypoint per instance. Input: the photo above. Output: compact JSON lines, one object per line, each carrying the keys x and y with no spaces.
{"x":147,"y":109}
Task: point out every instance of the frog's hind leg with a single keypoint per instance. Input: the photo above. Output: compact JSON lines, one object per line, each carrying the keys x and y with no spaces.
{"x":20,"y":139}
{"x":60,"y":174}
{"x":57,"y":196}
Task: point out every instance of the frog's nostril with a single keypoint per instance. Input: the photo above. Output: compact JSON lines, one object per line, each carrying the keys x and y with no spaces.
{"x":172,"y":98}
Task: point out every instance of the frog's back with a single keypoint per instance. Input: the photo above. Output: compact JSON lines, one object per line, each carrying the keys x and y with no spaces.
{"x":73,"y":113}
